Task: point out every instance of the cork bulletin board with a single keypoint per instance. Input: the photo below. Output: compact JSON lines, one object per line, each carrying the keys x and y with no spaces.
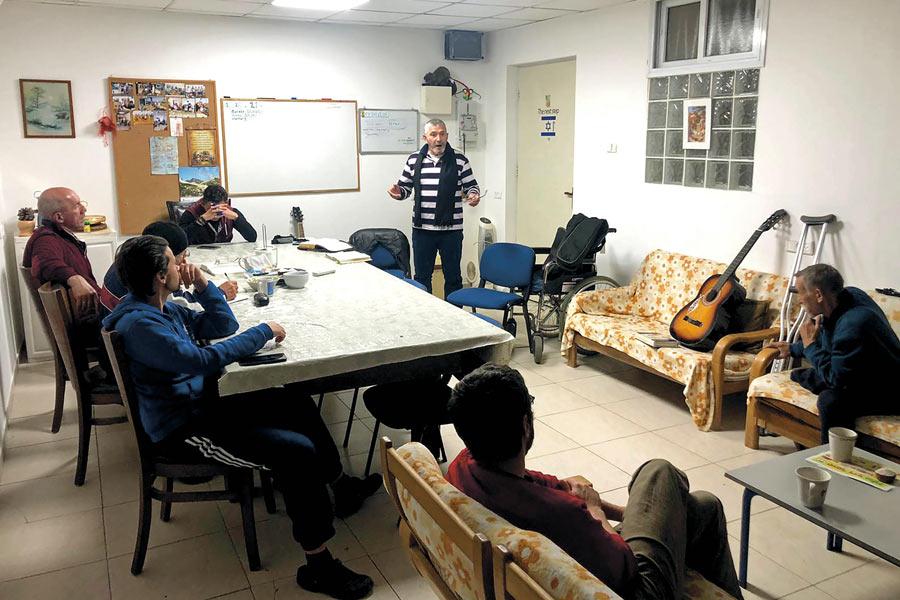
{"x":145,"y":108}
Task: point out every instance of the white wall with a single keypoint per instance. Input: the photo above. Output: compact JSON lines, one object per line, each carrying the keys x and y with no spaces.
{"x":827,"y":137}
{"x":378,"y":67}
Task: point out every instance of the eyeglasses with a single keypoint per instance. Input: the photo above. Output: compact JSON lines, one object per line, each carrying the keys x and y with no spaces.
{"x":531,"y":398}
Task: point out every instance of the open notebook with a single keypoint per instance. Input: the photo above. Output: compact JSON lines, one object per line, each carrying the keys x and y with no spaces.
{"x":344,"y":258}
{"x":329,"y":244}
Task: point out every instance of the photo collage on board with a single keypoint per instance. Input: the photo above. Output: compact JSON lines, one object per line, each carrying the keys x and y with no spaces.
{"x":156,"y":104}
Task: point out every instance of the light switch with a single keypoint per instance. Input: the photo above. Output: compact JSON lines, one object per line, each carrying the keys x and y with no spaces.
{"x":613,"y":148}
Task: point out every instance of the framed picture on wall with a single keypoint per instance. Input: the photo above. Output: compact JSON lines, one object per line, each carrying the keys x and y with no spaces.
{"x":47,"y":108}
{"x":697,"y":121}
{"x":203,"y":147}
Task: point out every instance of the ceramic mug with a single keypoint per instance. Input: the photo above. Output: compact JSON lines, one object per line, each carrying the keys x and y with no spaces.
{"x":840,"y":443}
{"x":813,"y":483}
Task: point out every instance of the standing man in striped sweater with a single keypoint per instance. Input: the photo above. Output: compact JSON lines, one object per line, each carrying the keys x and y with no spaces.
{"x":440,"y":177}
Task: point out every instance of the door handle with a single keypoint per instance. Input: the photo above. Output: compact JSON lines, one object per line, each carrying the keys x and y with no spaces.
{"x":569,"y":194}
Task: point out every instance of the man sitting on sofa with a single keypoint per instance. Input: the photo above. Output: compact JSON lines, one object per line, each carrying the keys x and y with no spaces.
{"x":664,"y":527}
{"x":849,"y":343}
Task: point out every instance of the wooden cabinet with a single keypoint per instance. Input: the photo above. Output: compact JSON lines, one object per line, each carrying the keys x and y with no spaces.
{"x":101,"y":250}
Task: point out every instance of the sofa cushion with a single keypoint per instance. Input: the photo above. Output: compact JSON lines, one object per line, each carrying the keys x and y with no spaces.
{"x":883,"y":427}
{"x":778,"y":386}
{"x":666,"y":281}
{"x":690,"y":367}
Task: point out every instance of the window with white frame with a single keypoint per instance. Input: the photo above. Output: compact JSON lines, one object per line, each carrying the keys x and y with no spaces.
{"x":707,"y":35}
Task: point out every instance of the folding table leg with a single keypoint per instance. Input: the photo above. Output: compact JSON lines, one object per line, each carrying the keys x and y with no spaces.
{"x":745,"y":537}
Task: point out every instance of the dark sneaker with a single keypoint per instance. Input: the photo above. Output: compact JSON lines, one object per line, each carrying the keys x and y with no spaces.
{"x":351,"y":492}
{"x":336,"y":580}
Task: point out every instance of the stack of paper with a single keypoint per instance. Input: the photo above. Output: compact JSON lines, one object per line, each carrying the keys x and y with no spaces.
{"x":329,"y":244}
{"x":344,"y":258}
{"x":656,"y":340}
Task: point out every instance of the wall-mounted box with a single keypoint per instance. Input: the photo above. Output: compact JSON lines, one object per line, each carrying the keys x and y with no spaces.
{"x":436,"y":100}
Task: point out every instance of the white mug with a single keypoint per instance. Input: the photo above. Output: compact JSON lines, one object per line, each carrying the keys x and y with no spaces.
{"x":840,"y":443}
{"x":813,"y":483}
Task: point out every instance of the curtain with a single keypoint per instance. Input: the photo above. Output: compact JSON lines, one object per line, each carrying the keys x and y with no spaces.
{"x":682,"y":31}
{"x":730,"y":26}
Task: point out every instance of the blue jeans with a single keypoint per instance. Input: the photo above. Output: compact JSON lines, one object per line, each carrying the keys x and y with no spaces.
{"x":426,"y":244}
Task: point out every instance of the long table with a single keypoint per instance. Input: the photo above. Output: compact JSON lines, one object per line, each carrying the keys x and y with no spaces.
{"x":357,"y":326}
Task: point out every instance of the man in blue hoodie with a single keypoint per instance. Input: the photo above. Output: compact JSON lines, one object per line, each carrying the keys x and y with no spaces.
{"x":279,"y":429}
{"x":852,"y":350}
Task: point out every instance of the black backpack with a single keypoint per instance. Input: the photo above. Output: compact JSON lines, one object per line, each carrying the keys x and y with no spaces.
{"x":581,"y":236}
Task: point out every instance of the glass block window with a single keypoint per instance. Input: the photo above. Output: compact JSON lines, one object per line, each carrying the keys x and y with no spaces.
{"x":728,"y":164}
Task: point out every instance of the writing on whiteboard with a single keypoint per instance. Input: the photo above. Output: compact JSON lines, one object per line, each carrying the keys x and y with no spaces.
{"x":244,"y":111}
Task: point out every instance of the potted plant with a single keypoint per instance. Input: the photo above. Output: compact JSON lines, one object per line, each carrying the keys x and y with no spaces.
{"x":297,"y":218}
{"x":26,"y":221}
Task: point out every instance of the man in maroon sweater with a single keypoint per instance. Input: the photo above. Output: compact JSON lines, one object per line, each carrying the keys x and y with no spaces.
{"x":664,"y":528}
{"x":54,"y":254}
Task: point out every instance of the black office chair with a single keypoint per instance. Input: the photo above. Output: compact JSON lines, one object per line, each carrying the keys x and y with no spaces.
{"x":419,"y":405}
{"x":177,"y":208}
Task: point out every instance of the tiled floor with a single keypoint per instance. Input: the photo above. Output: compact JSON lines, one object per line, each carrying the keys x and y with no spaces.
{"x":600,"y":420}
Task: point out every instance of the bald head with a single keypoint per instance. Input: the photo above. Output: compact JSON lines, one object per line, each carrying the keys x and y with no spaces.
{"x":53,"y":200}
{"x":62,"y":206}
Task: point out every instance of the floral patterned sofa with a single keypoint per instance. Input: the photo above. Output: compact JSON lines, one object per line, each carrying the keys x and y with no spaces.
{"x":551,"y":568}
{"x":786,"y":408}
{"x":605,"y":320}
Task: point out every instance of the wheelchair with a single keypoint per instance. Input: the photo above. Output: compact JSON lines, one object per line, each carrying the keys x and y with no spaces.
{"x":568,"y":270}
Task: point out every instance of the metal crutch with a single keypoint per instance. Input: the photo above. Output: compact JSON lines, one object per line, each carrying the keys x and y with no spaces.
{"x":789,"y":334}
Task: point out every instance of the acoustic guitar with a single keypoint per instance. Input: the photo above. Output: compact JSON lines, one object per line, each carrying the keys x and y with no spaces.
{"x":703,"y":321}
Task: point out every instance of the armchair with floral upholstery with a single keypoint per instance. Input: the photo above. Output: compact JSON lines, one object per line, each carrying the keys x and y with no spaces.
{"x":446,"y":565}
{"x":786,"y":408}
{"x":605,"y":320}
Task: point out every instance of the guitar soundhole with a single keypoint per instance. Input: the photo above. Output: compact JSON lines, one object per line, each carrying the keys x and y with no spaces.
{"x":712,"y":295}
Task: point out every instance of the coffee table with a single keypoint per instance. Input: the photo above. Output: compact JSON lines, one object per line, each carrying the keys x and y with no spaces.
{"x":853,"y":510}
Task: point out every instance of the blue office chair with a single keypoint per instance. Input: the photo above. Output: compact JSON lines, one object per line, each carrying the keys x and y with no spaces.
{"x":384,"y":260}
{"x":506,"y":265}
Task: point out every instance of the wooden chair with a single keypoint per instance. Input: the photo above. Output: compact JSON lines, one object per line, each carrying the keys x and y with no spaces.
{"x":238,"y":480}
{"x":74,"y":357}
{"x":421,"y":510}
{"x":511,"y":582}
{"x":59,"y":370}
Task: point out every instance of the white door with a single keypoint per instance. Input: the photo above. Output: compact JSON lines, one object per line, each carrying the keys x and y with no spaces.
{"x":546,"y":150}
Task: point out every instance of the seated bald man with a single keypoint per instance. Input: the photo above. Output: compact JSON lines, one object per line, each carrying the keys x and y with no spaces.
{"x":54,"y":254}
{"x":114,"y":290}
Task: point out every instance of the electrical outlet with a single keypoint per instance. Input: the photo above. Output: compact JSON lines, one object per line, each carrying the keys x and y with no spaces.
{"x":807,"y":247}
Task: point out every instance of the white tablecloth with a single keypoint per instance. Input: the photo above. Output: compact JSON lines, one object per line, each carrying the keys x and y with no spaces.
{"x":356,"y":318}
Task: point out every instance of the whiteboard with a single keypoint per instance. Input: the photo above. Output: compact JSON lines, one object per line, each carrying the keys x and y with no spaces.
{"x":384,"y":131}
{"x":289,"y":146}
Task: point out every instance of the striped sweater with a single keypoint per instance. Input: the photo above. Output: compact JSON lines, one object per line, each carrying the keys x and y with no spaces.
{"x":431,"y":171}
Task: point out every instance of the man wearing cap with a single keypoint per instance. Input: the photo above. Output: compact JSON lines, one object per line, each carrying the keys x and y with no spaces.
{"x":114,"y":291}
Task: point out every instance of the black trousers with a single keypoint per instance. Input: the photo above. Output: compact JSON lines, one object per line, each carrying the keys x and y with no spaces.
{"x":281,"y":430}
{"x":426,"y":244}
{"x":842,"y":408}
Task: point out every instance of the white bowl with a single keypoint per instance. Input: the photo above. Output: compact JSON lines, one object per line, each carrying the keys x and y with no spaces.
{"x":296,"y":279}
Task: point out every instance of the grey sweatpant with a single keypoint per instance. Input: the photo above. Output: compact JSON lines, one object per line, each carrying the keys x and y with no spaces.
{"x":670,"y":528}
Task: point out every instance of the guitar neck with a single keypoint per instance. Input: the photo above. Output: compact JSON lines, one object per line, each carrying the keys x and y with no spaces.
{"x":738,"y":260}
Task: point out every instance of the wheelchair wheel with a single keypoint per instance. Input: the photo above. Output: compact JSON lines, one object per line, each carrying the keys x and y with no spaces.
{"x":538,"y":350}
{"x":510,"y":326}
{"x":598,"y":282}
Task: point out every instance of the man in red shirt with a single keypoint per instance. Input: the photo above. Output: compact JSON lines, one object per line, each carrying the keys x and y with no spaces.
{"x":53,"y":253}
{"x":664,"y":527}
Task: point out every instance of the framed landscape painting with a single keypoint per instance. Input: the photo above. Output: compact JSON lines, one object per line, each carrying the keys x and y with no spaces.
{"x":47,"y":108}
